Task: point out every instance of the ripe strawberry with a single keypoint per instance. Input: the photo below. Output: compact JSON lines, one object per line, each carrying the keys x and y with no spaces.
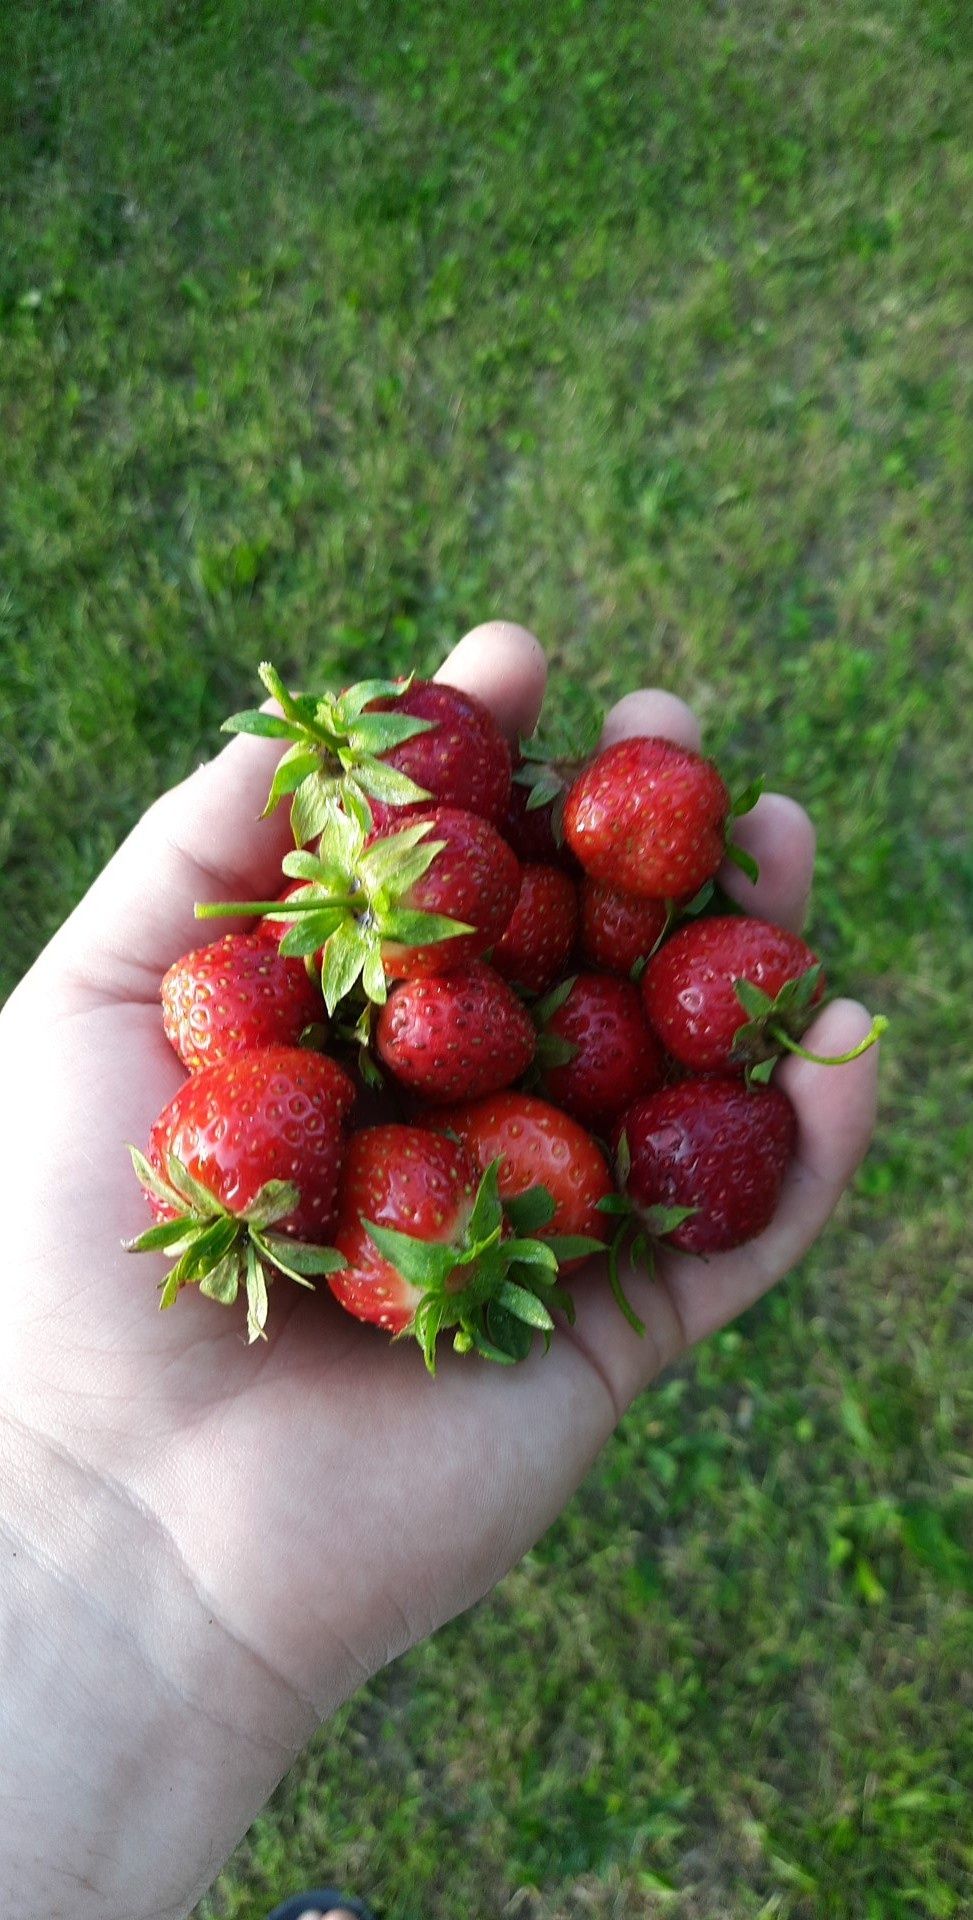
{"x":596,"y":1050}
{"x":711,"y":1145}
{"x":617,"y":929}
{"x":474,"y":879}
{"x":233,"y":996}
{"x":537,"y":941}
{"x":690,"y":991}
{"x":428,"y":898}
{"x":462,"y":761}
{"x":538,"y":1146}
{"x":649,"y":818}
{"x":455,"y":1034}
{"x":251,"y":1143}
{"x":423,"y":1239}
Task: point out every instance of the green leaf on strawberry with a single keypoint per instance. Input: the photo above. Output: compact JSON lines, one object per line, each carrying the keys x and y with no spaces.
{"x":220,"y":1251}
{"x":456,"y":1269}
{"x":335,"y":748}
{"x":369,"y":901}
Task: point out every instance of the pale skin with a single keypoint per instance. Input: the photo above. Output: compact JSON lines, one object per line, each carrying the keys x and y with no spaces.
{"x":206,"y":1547}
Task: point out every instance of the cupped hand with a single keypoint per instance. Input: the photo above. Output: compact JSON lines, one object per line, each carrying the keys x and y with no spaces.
{"x":267,"y":1525}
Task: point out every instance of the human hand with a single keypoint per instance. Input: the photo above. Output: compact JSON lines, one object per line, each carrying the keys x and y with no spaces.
{"x":215,"y":1543}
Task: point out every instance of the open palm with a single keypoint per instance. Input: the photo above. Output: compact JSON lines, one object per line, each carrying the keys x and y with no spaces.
{"x":280,"y":1520}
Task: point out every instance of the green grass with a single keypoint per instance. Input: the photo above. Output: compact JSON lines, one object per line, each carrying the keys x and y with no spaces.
{"x":326,"y":332}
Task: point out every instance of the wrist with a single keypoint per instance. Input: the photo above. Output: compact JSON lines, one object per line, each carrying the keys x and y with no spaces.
{"x":140,"y":1736}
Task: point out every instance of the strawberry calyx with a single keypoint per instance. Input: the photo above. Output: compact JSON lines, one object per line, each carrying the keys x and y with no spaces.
{"x":776,"y":1024}
{"x":775,"y":1021}
{"x":676,"y":912}
{"x":220,"y":1251}
{"x":639,"y":1231}
{"x":335,"y":748}
{"x":495,"y":1284}
{"x":744,"y":803}
{"x":549,"y":761}
{"x":553,"y":1049}
{"x":354,"y":898}
{"x":355,"y":1028}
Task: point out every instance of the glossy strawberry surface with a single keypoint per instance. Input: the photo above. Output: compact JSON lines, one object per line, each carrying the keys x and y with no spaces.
{"x":617,"y":930}
{"x":689,"y":992}
{"x":648,"y":817}
{"x":455,"y":1035}
{"x":462,"y":761}
{"x":474,"y":879}
{"x":713,"y":1145}
{"x":536,"y":944}
{"x":615,"y":1053}
{"x":275,"y":1114}
{"x":410,"y":1179}
{"x":233,"y":996}
{"x":539,"y":1146}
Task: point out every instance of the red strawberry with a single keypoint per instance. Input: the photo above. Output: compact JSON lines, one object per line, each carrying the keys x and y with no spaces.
{"x":649,"y":818}
{"x":617,"y":929}
{"x":596,"y":1050}
{"x":251,"y":1144}
{"x":462,"y":761}
{"x":690,"y":996}
{"x":422,"y":1235}
{"x":233,"y":996}
{"x":272,"y":1115}
{"x":537,"y":941}
{"x":455,"y":1034}
{"x":712,"y":1145}
{"x":474,"y":879}
{"x":538,"y":1146}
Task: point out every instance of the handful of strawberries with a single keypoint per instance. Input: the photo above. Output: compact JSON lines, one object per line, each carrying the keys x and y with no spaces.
{"x":524,"y":958}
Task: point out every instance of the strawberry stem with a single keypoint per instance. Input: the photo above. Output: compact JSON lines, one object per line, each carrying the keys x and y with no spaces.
{"x":875,"y":1031}
{"x":285,"y":909}
{"x":615,"y":1282}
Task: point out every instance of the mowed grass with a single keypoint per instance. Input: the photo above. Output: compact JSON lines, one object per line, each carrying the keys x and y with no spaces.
{"x":327,"y":332}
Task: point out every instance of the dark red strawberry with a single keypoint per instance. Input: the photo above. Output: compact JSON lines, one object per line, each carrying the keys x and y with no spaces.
{"x":596,"y":1050}
{"x":617,"y":929}
{"x":462,"y":761}
{"x":233,"y":996}
{"x":690,"y":993}
{"x":251,"y":1145}
{"x":537,"y":941}
{"x":455,"y":1035}
{"x":538,"y":1146}
{"x":423,"y":1238}
{"x":649,"y":818}
{"x":531,"y":830}
{"x":543,"y":768}
{"x":712,"y":1145}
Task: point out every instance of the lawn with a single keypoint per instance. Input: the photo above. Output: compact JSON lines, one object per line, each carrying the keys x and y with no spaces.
{"x":329,"y":331}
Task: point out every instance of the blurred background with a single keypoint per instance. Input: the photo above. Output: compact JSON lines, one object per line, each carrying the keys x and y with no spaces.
{"x":328,"y":331}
